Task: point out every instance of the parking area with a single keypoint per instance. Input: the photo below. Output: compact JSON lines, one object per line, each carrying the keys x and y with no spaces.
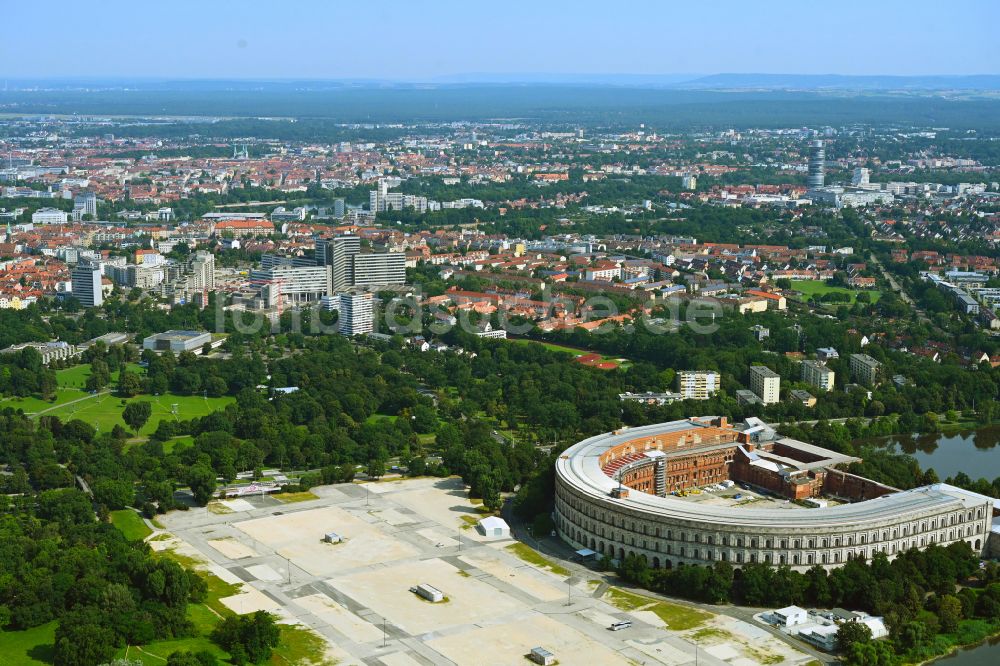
{"x":401,"y":533}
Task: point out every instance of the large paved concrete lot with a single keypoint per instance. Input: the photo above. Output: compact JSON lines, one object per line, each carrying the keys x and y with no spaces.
{"x":398,"y":534}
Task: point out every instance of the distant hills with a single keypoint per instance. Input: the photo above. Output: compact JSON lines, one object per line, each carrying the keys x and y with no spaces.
{"x":713,"y":82}
{"x":840,"y":82}
{"x":736,"y":81}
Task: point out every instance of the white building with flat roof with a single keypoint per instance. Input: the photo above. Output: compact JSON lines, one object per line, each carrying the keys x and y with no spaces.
{"x":765,"y":383}
{"x":49,"y":216}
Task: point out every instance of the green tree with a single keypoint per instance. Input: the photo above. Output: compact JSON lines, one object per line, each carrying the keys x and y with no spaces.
{"x":137,"y":413}
{"x":489,"y":490}
{"x":871,"y":653}
{"x":949,"y":613}
{"x":248,"y":638}
{"x":201,"y":479}
{"x":850,"y":633}
{"x":113,"y":493}
{"x":129,"y":384}
{"x":83,"y":638}
{"x":375,"y":468}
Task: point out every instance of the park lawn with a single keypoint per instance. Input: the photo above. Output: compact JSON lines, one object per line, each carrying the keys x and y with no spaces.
{"x":31,"y":404}
{"x":130,"y":524}
{"x":577,"y":353}
{"x":551,"y":346}
{"x":29,"y":647}
{"x":76,"y":377}
{"x":535,"y":559}
{"x":677,"y":617}
{"x":375,"y":418}
{"x":70,"y":383}
{"x":104,"y":411}
{"x":810,"y":288}
{"x":177,"y":443}
{"x":172,"y":445}
{"x":157,"y":652}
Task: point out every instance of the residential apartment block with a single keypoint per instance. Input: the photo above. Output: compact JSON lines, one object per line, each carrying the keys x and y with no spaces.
{"x":818,"y":374}
{"x":697,"y":384}
{"x":864,"y":369}
{"x":765,"y":383}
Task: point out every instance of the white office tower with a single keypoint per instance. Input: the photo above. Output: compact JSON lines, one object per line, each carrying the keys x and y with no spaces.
{"x":86,"y":281}
{"x":862,"y":177}
{"x":357,"y":314}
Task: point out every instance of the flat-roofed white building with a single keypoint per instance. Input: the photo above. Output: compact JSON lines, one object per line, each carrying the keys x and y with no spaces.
{"x":765,"y":383}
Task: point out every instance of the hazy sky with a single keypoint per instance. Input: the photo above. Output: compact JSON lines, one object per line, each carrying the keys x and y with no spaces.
{"x":423,"y":39}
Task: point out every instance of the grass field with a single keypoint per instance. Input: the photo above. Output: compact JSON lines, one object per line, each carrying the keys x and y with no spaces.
{"x":30,"y":405}
{"x":533,"y":558}
{"x":105,"y":411}
{"x":76,"y":377}
{"x":677,"y":617}
{"x":570,"y":350}
{"x":29,"y":647}
{"x":375,"y":418}
{"x":809,"y":288}
{"x":130,"y":524}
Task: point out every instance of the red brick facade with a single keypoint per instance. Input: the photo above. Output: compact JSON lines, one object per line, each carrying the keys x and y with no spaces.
{"x":698,"y":457}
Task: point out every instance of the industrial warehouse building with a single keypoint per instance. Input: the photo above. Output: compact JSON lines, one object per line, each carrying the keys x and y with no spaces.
{"x":613,"y":497}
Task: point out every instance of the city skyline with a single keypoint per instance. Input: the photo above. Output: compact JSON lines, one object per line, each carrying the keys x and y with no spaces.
{"x":454,"y":41}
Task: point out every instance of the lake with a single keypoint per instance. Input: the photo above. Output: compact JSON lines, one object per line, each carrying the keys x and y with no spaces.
{"x":971,"y":451}
{"x":986,"y":654}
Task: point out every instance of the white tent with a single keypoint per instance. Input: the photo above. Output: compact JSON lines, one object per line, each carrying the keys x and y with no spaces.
{"x":494,"y":527}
